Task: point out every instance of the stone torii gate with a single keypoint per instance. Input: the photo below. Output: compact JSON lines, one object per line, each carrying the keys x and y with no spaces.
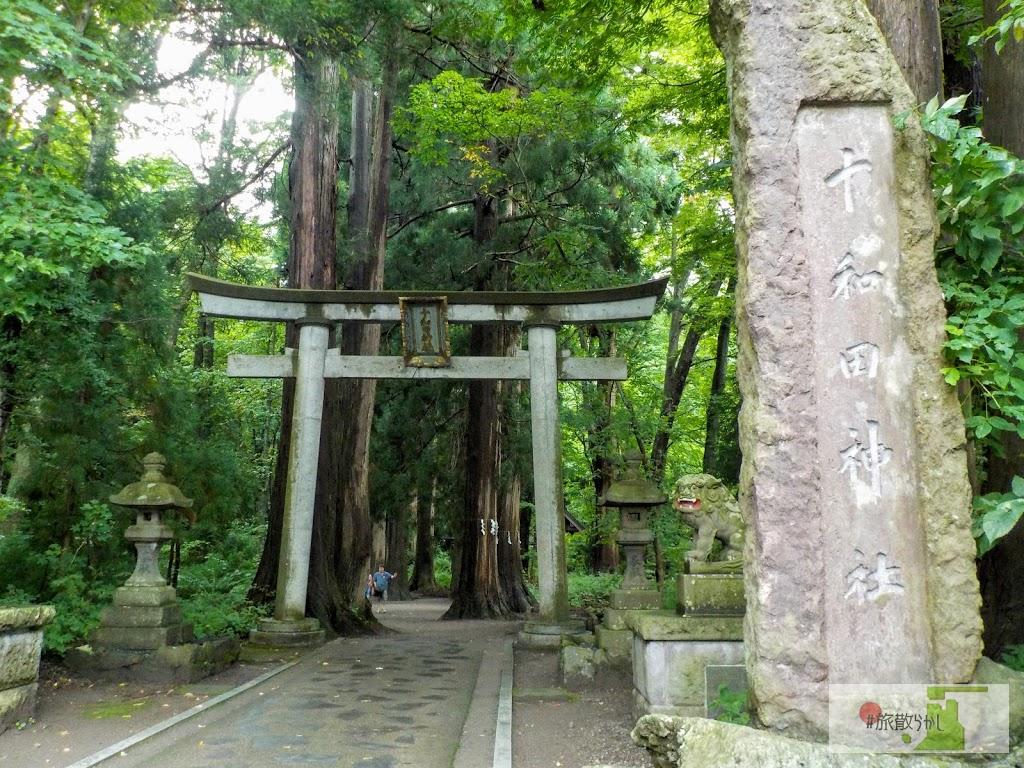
{"x":424,"y":317}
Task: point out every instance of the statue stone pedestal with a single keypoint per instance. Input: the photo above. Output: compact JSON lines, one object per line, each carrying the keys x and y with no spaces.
{"x":677,"y":661}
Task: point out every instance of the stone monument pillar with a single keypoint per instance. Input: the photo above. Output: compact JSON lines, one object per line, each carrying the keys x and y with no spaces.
{"x":859,"y":559}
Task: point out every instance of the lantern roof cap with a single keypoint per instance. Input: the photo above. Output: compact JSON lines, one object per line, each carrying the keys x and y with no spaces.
{"x":634,"y":489}
{"x":153,"y":490}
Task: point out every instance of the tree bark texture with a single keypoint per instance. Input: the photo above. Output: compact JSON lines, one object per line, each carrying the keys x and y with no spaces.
{"x":510,"y":548}
{"x":911,"y":27}
{"x":423,"y":578}
{"x":396,"y":560}
{"x":1003,"y":80}
{"x":313,"y":176}
{"x":477,"y":593}
{"x":675,"y":382}
{"x":1001,"y":570}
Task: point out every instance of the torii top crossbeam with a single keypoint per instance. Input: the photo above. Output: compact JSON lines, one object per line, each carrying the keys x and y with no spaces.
{"x":602,"y":305}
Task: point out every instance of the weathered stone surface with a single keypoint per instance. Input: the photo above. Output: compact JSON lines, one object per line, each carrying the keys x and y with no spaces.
{"x":710,"y":594}
{"x":16,"y":705}
{"x":19,"y":657}
{"x":138,"y":638}
{"x":615,"y":618}
{"x":635,"y":599}
{"x":616,"y":643}
{"x":689,"y":742}
{"x":185,"y":663}
{"x":26,"y":617}
{"x":990,"y":672}
{"x":853,"y":446}
{"x":666,"y":625}
{"x":141,"y":616}
{"x":576,"y":664}
{"x":145,"y":596}
{"x":669,"y":675}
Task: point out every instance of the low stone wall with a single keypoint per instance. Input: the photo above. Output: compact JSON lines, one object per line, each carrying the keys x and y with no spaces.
{"x":21,"y":644}
{"x":693,"y":742}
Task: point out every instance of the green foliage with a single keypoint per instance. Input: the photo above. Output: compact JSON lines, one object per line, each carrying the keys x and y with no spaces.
{"x":1013,"y":657}
{"x":996,"y":514}
{"x":215,"y":577}
{"x":77,"y":579}
{"x":592,"y":590}
{"x":1010,"y":25}
{"x":980,"y":198}
{"x":443,"y":569}
{"x":732,"y":706}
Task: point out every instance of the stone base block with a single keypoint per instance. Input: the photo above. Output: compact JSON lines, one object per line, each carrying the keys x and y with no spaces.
{"x":616,"y":643}
{"x":185,"y":663}
{"x":666,"y":625}
{"x":141,"y":638}
{"x":16,"y":705}
{"x":301,"y":633}
{"x":19,"y":657}
{"x":710,"y":594}
{"x":641,"y":707}
{"x":993,"y":673}
{"x":141,"y":616}
{"x":616,"y":618}
{"x":670,"y":662}
{"x":636,"y":599}
{"x":145,"y":597}
{"x":577,"y":665}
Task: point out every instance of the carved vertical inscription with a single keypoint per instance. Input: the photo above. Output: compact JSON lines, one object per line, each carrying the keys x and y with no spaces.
{"x":875,"y":617}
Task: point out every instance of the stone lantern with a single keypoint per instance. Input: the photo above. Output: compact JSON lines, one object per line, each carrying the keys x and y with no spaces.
{"x":636,"y":497}
{"x":146,"y":614}
{"x":141,"y":636}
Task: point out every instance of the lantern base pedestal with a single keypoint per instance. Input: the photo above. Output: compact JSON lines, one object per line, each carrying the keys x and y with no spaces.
{"x":183,"y":663}
{"x":274,"y":639}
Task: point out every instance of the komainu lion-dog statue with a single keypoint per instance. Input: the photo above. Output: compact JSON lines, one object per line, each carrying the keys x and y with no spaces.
{"x":706,"y":504}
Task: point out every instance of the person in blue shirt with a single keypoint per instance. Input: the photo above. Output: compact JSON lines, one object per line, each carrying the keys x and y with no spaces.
{"x":381,"y":582}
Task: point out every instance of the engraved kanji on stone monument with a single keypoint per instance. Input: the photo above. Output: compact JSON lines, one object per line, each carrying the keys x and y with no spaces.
{"x":865,"y":456}
{"x":859,"y":360}
{"x":867,"y":584}
{"x":848,"y":281}
{"x":845,"y":174}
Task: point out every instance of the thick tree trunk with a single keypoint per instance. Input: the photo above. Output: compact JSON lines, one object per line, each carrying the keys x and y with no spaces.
{"x":423,"y":578}
{"x":911,"y":27}
{"x":673,"y":392}
{"x":1001,"y":570}
{"x":510,"y":555}
{"x":313,"y":175}
{"x":1003,"y":79}
{"x":477,"y":593}
{"x":396,"y":560}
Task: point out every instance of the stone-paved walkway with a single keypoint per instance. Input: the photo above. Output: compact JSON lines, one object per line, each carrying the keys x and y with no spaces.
{"x":392,"y":701}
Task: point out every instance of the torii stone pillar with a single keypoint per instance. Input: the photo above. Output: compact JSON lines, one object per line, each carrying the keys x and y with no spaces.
{"x":859,"y":561}
{"x":547,"y":474}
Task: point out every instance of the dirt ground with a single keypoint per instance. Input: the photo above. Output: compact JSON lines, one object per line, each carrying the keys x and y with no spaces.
{"x":76,"y":717}
{"x":588,"y":727}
